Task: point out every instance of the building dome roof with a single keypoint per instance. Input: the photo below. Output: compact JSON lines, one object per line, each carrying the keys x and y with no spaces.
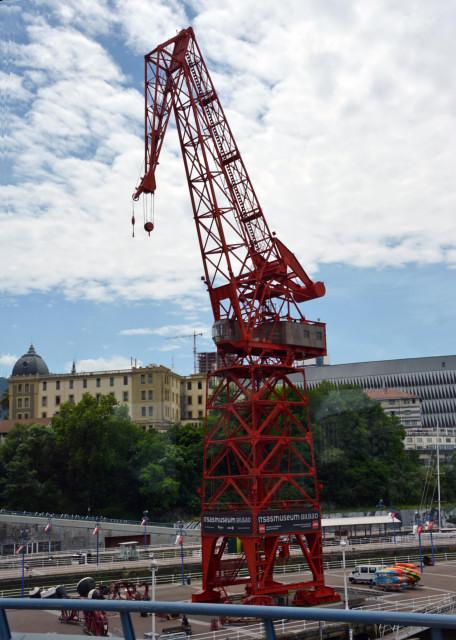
{"x":30,"y":364}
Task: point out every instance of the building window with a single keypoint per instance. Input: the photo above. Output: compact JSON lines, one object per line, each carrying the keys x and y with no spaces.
{"x":151,"y":394}
{"x":189,"y":386}
{"x":26,"y":415}
{"x":98,"y":396}
{"x":57,"y":399}
{"x":447,"y":439}
{"x":190,"y":414}
{"x":84,"y":384}
{"x":43,"y":415}
{"x":125,"y":379}
{"x":200,"y":385}
{"x":112,"y":394}
{"x":44,"y":386}
{"x":143,"y":412}
{"x":19,"y":416}
{"x":98,"y":382}
{"x":19,"y":403}
{"x":57,"y":385}
{"x":419,"y":439}
{"x":26,"y":402}
{"x":71,"y":399}
{"x":392,"y":402}
{"x":200,"y":414}
{"x":125,"y":396}
{"x":189,"y":399}
{"x":150,"y":378}
{"x":111,"y":382}
{"x":19,"y":388}
{"x":408,"y":439}
{"x":71,"y":384}
{"x":151,"y":411}
{"x":406,"y":401}
{"x":200,"y":399}
{"x":44,"y":401}
{"x":143,"y":379}
{"x":143,"y":395}
{"x":444,"y":364}
{"x":27,"y":389}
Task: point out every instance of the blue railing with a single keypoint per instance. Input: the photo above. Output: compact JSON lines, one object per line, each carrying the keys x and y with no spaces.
{"x":435,"y":622}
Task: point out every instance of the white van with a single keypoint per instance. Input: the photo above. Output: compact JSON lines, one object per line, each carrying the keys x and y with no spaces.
{"x":364,"y":573}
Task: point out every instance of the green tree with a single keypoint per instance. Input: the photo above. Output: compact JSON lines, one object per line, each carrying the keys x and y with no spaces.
{"x":96,"y":442}
{"x":30,"y":469}
{"x":359,"y":450}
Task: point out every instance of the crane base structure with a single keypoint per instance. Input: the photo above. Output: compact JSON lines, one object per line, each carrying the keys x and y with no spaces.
{"x":259,"y":480}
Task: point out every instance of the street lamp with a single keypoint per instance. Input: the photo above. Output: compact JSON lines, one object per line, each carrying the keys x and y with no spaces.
{"x":180,"y":540}
{"x":153,"y":566}
{"x":22,"y":550}
{"x":393,"y":515}
{"x":144,"y":522}
{"x":343,"y":544}
{"x":96,"y":532}
{"x":48,"y":529}
{"x":419,"y":529}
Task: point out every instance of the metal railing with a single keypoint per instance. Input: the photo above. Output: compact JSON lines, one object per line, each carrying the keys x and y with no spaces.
{"x":395,"y":620}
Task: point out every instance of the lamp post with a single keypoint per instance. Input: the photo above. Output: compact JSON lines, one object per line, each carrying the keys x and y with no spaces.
{"x":429,"y":527}
{"x":48,"y":529}
{"x":153,"y":566}
{"x":96,"y":532}
{"x":144,"y":522}
{"x":381,"y":504}
{"x":419,"y":529}
{"x":180,"y":540}
{"x":22,"y":550}
{"x":343,"y":544}
{"x":393,"y":515}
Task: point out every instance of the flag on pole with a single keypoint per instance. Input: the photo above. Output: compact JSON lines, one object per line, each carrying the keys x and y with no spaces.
{"x":47,"y":527}
{"x":179,"y":539}
{"x":20,"y":548}
{"x":96,"y":530}
{"x":144,"y":521}
{"x":420,"y":529}
{"x":430,"y":525}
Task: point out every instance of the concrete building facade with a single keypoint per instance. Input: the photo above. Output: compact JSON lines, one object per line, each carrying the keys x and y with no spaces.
{"x":403,"y":405}
{"x":432,"y":379}
{"x":155,"y":396}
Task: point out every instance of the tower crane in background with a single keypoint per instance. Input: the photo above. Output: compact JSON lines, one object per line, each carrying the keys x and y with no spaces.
{"x":189,"y":335}
{"x":259,"y":480}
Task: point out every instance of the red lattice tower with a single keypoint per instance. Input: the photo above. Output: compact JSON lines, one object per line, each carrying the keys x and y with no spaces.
{"x":259,"y":480}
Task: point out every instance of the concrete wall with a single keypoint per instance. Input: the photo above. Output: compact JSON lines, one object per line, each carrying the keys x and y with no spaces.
{"x":77,"y":535}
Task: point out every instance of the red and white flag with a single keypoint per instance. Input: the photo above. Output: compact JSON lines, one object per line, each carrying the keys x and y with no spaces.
{"x":179,"y":539}
{"x":20,"y":548}
{"x":420,"y":529}
{"x":144,"y":521}
{"x":47,"y":527}
{"x":96,"y":530}
{"x":431,"y":524}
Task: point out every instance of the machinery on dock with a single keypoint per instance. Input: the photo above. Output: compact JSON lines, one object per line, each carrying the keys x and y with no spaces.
{"x":259,"y":479}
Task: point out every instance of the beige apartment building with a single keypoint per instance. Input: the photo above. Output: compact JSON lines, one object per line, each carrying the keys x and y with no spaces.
{"x":395,"y":402}
{"x":155,"y":396}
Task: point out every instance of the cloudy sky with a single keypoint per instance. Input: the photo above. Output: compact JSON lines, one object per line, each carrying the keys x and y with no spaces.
{"x":345,"y":114}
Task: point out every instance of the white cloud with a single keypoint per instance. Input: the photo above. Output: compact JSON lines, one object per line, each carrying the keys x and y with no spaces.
{"x":8,"y":360}
{"x":135,"y":332}
{"x":344,"y":113}
{"x":114,"y":363}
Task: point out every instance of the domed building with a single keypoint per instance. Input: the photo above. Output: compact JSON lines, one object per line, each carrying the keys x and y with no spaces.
{"x":30,"y":364}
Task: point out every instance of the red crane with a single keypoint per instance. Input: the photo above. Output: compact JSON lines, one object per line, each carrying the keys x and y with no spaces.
{"x":259,"y":480}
